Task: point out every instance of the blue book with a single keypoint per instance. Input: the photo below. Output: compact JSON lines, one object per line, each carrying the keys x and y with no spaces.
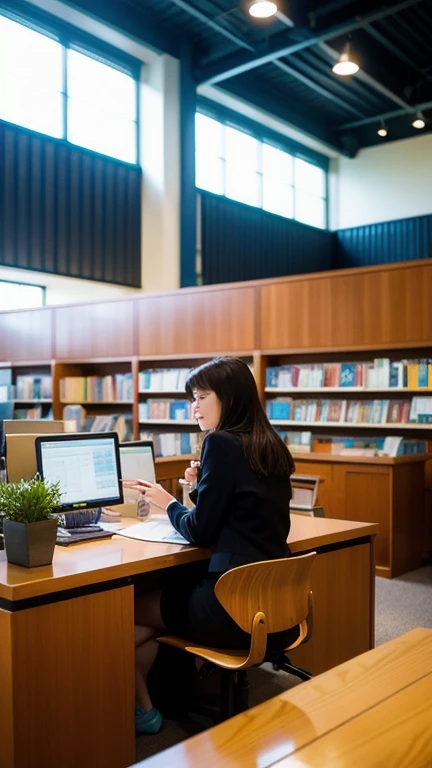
{"x":280,"y":409}
{"x":272,"y":377}
{"x":185,"y":443}
{"x":179,"y":410}
{"x":422,"y":376}
{"x":347,"y":375}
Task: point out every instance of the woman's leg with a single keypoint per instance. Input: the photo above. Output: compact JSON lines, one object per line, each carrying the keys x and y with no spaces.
{"x":147,"y":620}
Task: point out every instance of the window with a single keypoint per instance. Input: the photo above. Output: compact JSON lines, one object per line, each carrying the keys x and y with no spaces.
{"x":101,"y":107}
{"x":20,"y":295}
{"x":30,"y":78}
{"x":231,"y":162}
{"x":40,"y":76}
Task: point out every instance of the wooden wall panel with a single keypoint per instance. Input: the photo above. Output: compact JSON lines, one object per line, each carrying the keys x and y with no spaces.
{"x":26,"y":335}
{"x":197,"y":322}
{"x":365,"y":308}
{"x":102,"y":330}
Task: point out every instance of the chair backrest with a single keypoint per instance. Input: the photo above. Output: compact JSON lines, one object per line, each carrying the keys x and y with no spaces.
{"x":278,"y":588}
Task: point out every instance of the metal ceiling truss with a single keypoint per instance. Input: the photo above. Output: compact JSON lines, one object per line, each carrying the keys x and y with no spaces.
{"x":239,"y":63}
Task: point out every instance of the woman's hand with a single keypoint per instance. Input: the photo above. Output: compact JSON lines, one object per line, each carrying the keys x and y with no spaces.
{"x":154,"y":493}
{"x":191,"y":474}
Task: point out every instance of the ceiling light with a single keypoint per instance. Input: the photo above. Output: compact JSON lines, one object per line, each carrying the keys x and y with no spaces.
{"x":419,"y":121}
{"x":382,"y":130}
{"x":262,"y":9}
{"x":346,"y":65}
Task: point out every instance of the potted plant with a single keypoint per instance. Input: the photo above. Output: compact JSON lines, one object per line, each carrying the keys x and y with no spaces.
{"x":29,"y":525}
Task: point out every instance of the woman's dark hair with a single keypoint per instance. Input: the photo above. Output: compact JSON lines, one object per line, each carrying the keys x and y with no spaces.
{"x":242,"y":413}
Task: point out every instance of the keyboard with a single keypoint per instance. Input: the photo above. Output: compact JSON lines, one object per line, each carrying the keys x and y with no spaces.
{"x":76,"y":538}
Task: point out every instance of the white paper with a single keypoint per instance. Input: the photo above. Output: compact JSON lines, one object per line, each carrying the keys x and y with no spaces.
{"x":154,"y":530}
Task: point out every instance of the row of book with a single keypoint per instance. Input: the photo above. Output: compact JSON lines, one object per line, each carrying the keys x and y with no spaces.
{"x":163,"y":379}
{"x":174,"y":443}
{"x":27,"y":388}
{"x":177,"y":410}
{"x":381,"y":373}
{"x":112,"y":388}
{"x":418,"y":410}
{"x":77,"y":419}
{"x":392,"y":445}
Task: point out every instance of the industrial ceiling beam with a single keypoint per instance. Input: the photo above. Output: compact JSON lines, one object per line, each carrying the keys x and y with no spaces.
{"x":413,"y":109}
{"x":213,"y":24}
{"x":368,"y":79}
{"x":317,"y":88}
{"x":239,"y":63}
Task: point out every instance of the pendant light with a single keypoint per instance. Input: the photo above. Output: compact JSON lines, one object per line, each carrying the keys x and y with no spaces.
{"x":382,"y":130}
{"x":419,"y":121}
{"x":346,"y":64}
{"x":262,"y":9}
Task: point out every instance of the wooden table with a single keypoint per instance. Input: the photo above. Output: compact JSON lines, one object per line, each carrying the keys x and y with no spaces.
{"x":67,"y":646}
{"x":372,"y":711}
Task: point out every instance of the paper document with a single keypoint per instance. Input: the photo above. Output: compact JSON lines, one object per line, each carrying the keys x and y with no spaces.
{"x":154,"y":530}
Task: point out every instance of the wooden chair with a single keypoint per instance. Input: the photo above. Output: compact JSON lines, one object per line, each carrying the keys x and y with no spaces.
{"x":264,"y":597}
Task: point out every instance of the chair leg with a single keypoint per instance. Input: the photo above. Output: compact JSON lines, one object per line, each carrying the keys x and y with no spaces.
{"x":241,"y":692}
{"x":282,"y":662}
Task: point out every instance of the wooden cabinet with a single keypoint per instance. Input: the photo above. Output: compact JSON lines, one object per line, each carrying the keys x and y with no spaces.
{"x":387,"y":491}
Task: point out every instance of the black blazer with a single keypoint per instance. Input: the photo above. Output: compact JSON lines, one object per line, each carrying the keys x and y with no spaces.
{"x":242,"y":518}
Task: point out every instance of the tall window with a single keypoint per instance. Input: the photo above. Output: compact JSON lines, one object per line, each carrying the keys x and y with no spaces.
{"x":231,"y":162}
{"x":20,"y":295}
{"x":64,"y":92}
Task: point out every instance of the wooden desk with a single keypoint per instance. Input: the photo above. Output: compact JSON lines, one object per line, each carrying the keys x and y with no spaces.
{"x":372,"y":711}
{"x":388,"y":491}
{"x":66,"y":634}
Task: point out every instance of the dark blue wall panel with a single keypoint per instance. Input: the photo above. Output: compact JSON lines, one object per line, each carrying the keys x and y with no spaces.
{"x":384,"y":243}
{"x":68,"y":211}
{"x":240,"y":242}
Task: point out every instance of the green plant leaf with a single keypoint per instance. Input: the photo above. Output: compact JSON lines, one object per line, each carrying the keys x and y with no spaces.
{"x":29,"y":501}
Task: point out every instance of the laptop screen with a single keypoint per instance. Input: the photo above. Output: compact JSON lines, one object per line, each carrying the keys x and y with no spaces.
{"x":137,"y":461}
{"x":86,"y":465}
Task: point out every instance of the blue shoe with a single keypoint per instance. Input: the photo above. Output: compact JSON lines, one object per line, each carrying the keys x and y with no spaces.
{"x":147,"y":720}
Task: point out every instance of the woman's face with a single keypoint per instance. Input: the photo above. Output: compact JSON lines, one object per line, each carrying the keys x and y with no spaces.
{"x":206,"y":408}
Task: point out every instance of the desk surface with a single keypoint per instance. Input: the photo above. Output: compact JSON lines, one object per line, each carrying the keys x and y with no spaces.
{"x":373,"y":710}
{"x":107,"y":559}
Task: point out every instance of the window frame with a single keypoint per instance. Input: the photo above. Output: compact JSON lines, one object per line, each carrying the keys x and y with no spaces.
{"x":70,"y":37}
{"x":266,"y":136}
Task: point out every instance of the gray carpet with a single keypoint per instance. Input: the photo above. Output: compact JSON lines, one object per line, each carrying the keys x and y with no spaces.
{"x":401,"y":604}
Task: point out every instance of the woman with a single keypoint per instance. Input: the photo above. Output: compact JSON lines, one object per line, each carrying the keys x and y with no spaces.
{"x":242,"y":500}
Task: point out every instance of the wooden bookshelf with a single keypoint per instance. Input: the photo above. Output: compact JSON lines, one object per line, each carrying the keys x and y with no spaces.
{"x":345,"y":315}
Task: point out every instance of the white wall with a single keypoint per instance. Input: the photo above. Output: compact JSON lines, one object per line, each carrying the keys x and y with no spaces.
{"x":383,"y":183}
{"x":65,"y":290}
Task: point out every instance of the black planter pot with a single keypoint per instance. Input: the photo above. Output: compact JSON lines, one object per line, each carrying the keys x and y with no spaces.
{"x":30,"y":544}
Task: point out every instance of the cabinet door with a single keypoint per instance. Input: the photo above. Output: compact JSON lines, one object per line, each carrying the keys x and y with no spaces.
{"x":365,"y":495}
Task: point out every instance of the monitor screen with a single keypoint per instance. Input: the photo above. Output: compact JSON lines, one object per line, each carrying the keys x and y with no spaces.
{"x":87,"y":465}
{"x":137,"y":461}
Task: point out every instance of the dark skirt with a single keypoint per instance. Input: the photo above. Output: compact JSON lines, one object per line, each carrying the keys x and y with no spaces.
{"x":193,"y":612}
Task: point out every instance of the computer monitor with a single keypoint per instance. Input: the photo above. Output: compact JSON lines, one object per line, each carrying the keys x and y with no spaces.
{"x":137,"y":461}
{"x":87,"y":466}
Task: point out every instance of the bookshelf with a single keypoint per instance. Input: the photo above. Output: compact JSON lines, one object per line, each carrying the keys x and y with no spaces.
{"x":346,"y":316}
{"x":100,"y":390}
{"x":27,"y":388}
